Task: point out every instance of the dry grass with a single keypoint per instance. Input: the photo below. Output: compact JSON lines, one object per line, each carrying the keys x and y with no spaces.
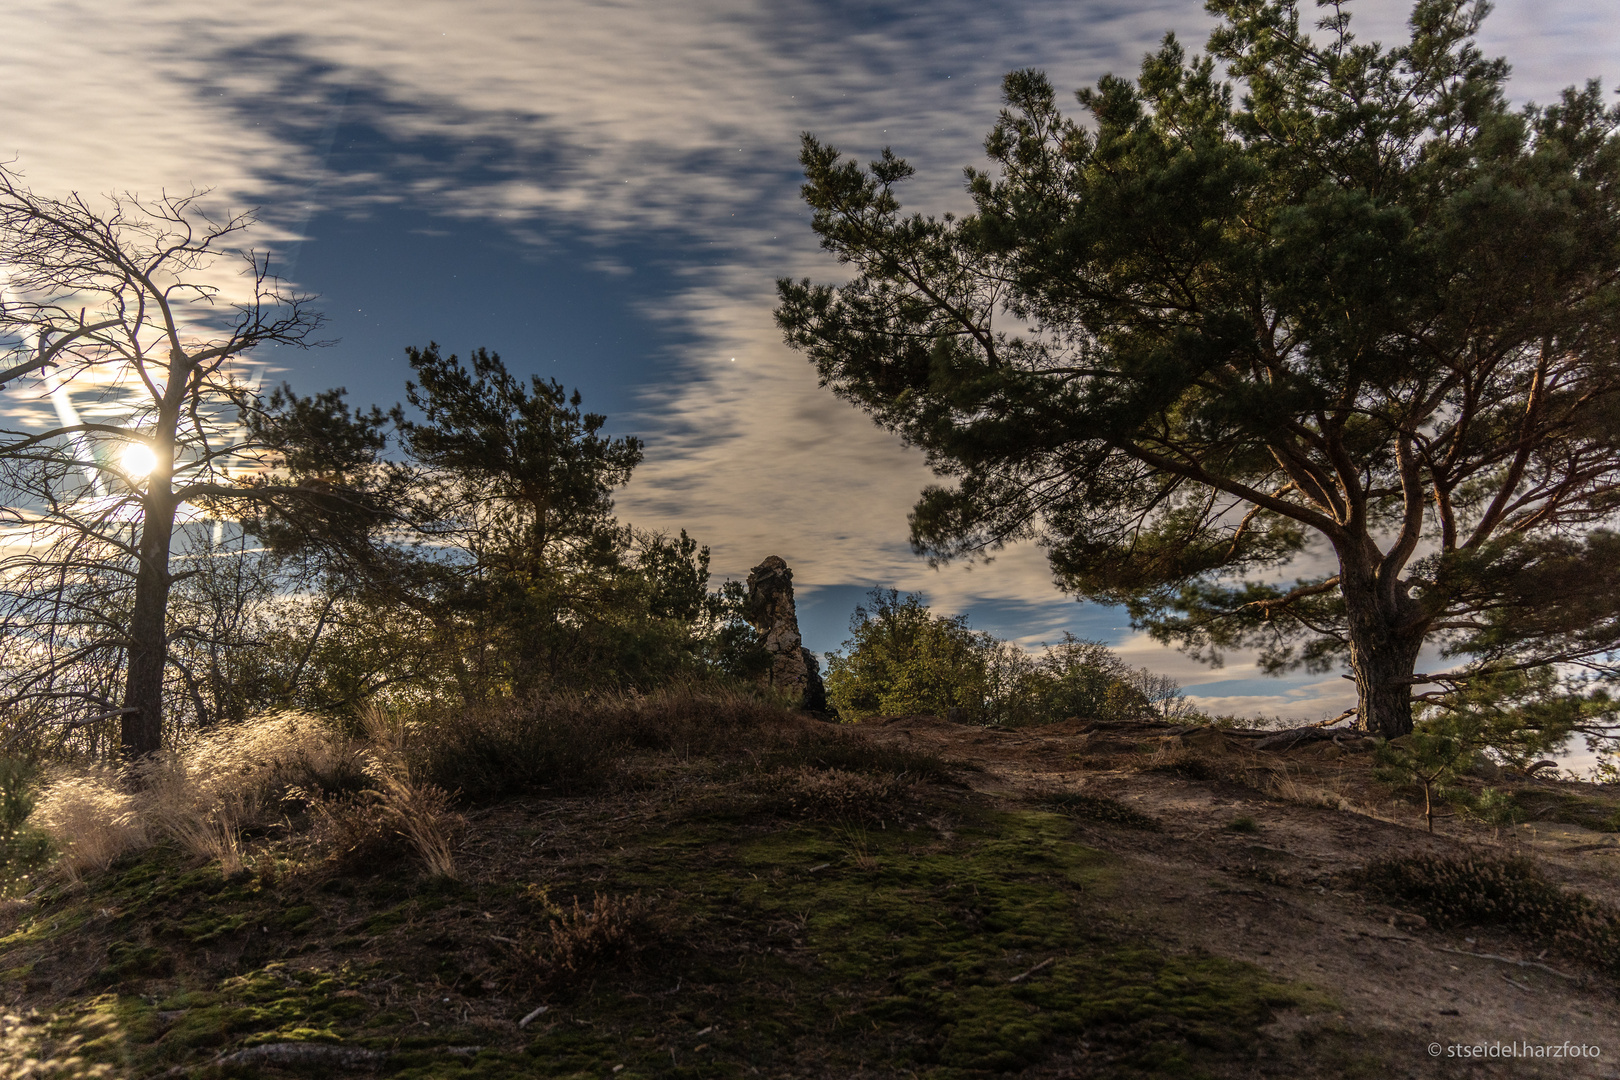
{"x":1302,"y":790}
{"x":91,"y":817}
{"x":1175,"y":758}
{"x":28,"y":1052}
{"x":418,"y":810}
{"x":202,"y":793}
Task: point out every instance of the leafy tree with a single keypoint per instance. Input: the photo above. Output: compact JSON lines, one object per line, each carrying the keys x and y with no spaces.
{"x":532,"y":474}
{"x":1351,"y":303}
{"x":902,"y":658}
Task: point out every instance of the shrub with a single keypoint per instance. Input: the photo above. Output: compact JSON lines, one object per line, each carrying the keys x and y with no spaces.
{"x":353,"y":832}
{"x":836,"y":795}
{"x":579,"y":941}
{"x":1511,"y":893}
{"x":855,"y":754}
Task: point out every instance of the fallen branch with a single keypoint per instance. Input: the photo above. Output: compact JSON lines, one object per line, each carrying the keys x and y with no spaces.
{"x":1510,"y":960}
{"x":1043,"y":964}
{"x":1287,"y":740}
{"x":320,"y":1055}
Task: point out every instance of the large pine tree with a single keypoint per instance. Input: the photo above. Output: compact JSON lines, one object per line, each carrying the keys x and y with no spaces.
{"x":1350,"y":303}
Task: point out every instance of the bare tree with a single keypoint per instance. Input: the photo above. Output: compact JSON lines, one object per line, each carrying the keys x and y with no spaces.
{"x":117,"y":311}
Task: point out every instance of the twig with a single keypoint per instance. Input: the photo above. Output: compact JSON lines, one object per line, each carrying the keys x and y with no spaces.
{"x":1510,"y":960}
{"x":1512,"y":982}
{"x":1033,"y":970}
{"x":527,"y":1020}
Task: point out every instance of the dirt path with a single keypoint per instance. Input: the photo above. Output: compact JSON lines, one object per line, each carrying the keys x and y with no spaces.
{"x":1277,"y":895}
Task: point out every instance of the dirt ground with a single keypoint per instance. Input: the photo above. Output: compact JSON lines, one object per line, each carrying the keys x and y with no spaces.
{"x":1277,"y":895}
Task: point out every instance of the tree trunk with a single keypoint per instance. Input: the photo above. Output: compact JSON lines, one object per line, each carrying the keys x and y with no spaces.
{"x":1386,"y":635}
{"x":141,"y":730}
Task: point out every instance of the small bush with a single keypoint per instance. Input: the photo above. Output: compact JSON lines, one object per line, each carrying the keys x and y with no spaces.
{"x":579,"y":941}
{"x":1243,"y":825}
{"x":837,"y":795}
{"x":354,"y":833}
{"x":1101,"y":808}
{"x":1511,"y":893}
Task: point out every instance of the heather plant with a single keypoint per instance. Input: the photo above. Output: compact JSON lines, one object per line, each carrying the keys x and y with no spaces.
{"x":579,"y":940}
{"x":1511,"y":893}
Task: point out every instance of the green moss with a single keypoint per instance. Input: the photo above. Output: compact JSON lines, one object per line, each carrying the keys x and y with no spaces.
{"x":296,"y":919}
{"x":128,"y":961}
{"x":212,"y":925}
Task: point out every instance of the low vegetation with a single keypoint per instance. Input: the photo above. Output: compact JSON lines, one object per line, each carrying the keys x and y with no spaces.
{"x":1497,"y":892}
{"x":796,"y":894}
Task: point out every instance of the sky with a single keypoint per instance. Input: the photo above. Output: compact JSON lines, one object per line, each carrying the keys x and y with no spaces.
{"x":604,"y":193}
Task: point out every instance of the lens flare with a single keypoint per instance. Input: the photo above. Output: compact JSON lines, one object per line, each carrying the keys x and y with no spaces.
{"x":137,"y":459}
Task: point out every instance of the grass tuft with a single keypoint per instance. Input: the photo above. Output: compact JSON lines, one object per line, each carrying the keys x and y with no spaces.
{"x":202,"y":793}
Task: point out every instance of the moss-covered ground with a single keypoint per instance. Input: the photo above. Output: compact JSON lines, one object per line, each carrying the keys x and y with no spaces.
{"x":935,"y":934}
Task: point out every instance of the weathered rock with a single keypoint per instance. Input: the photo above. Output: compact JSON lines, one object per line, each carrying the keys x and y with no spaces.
{"x":815,"y":691}
{"x":794,"y":670}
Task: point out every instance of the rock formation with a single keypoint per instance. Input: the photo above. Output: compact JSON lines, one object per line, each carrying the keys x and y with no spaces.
{"x":794,"y":670}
